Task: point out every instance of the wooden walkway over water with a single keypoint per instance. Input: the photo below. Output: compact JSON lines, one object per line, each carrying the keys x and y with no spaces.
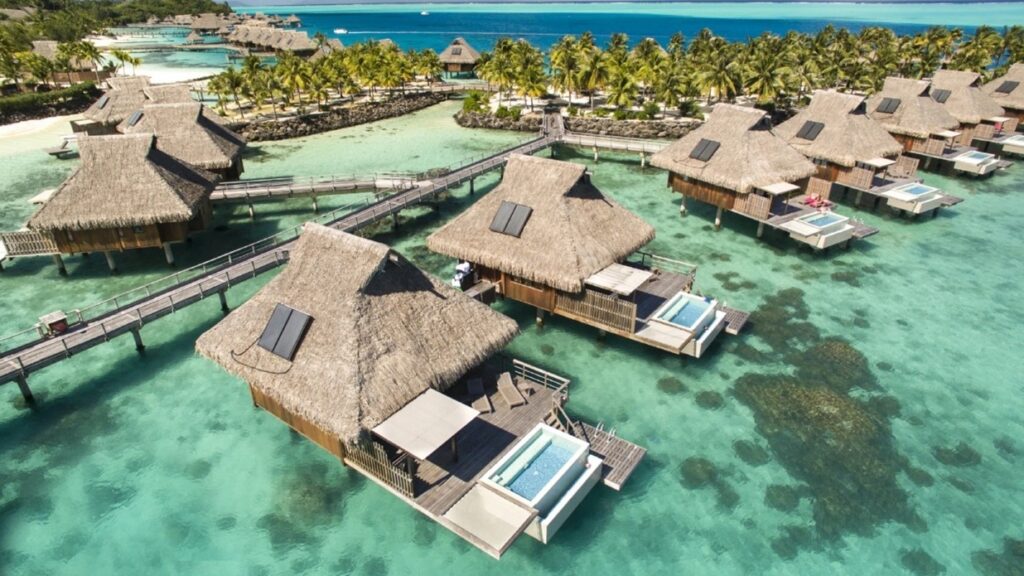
{"x":129,"y":312}
{"x":283,"y":188}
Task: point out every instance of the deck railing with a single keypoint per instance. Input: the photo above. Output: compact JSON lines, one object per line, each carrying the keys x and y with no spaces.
{"x":373,"y":459}
{"x":539,"y":376}
{"x":599,"y":309}
{"x":656,"y":262}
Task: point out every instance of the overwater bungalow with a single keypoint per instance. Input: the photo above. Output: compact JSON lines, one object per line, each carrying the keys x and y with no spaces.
{"x":126,"y":194}
{"x":183,"y":131}
{"x":855,"y":154}
{"x":1007,"y":92}
{"x":737,"y":163}
{"x":459,"y":57}
{"x":126,"y":95}
{"x":978,"y":116}
{"x":547,"y":237}
{"x":395,"y":374}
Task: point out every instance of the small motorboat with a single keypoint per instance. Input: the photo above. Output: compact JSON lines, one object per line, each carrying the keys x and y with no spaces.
{"x":424,"y":13}
{"x":340,"y":31}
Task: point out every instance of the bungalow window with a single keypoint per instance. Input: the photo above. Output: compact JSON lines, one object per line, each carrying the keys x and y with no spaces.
{"x":940,"y":95}
{"x":704,"y":150}
{"x":1007,"y":86}
{"x":810,"y":130}
{"x":284,"y":331}
{"x":137,"y":229}
{"x":888,"y":105}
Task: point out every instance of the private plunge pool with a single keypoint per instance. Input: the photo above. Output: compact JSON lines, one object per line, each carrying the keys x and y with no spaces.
{"x":688,"y":311}
{"x":915,"y":197}
{"x":975,"y":162}
{"x":548,"y":471}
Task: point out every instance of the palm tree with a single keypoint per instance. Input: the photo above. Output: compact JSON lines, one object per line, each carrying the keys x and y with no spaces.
{"x":595,"y":73}
{"x":622,"y":89}
{"x":645,"y":60}
{"x":719,"y":75}
{"x":38,"y":68}
{"x":121,"y":57}
{"x":88,"y":52}
{"x":565,"y":65}
{"x":233,"y":82}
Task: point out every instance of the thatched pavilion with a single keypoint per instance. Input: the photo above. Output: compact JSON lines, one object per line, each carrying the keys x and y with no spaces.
{"x":905,"y":108}
{"x":835,"y":133}
{"x":126,"y":194}
{"x":735,"y":161}
{"x":1008,"y":91}
{"x":126,"y":95}
{"x":184,"y":131}
{"x":81,"y":70}
{"x":959,"y":91}
{"x":376,"y":333}
{"x":547,"y":237}
{"x":459,"y":57}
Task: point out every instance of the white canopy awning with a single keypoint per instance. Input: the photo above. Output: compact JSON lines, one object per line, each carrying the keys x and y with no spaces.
{"x":779,"y":188}
{"x":620,"y":279}
{"x":879,"y":162}
{"x":947,"y":134}
{"x":425,"y":424}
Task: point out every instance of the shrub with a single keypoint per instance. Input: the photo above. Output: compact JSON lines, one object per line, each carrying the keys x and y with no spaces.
{"x":621,"y":114}
{"x":34,"y":102}
{"x":573,"y":111}
{"x":651,"y":109}
{"x":503,"y":112}
{"x":475,"y":102}
{"x":691,"y":109}
{"x":601,"y":112}
{"x":516,"y":113}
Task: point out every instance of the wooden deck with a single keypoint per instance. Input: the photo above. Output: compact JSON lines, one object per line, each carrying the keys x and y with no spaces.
{"x":735,"y":320}
{"x":249,"y":191}
{"x":620,"y":457}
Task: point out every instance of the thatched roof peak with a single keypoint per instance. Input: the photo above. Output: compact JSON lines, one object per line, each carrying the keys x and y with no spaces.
{"x":749,"y":153}
{"x":459,"y":52}
{"x":848,"y":135}
{"x":183,"y":131}
{"x":967,"y":102}
{"x":123,"y":181}
{"x":382,"y":332}
{"x":916,"y":114}
{"x":126,"y":95}
{"x":1003,"y":90}
{"x":572,"y":232}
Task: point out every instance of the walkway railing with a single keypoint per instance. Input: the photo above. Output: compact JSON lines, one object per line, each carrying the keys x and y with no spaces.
{"x":650,"y":260}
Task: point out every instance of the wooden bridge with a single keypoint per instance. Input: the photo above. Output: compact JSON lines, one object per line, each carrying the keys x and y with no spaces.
{"x":30,"y":350}
{"x":280,"y":188}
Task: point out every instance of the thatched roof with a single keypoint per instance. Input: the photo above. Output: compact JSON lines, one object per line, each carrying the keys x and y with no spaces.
{"x":967,"y":103}
{"x":459,"y":52}
{"x":126,"y":95}
{"x":1012,"y":98}
{"x":917,"y":114}
{"x":123,"y":181}
{"x":193,"y":38}
{"x":183,"y":131}
{"x":168,"y":93}
{"x":573,"y":231}
{"x":749,"y":155}
{"x":48,"y":49}
{"x":296,"y":41}
{"x":330,"y":46}
{"x":207,"y":21}
{"x":383,"y":332}
{"x":848,"y":135}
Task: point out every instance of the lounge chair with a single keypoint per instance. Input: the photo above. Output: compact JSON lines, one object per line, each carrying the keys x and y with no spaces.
{"x":509,"y":392}
{"x":481,"y":403}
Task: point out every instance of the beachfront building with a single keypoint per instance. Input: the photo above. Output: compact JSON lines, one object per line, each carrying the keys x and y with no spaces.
{"x":76,"y":70}
{"x":126,"y":94}
{"x":126,"y":194}
{"x":856,"y":155}
{"x":184,"y":131}
{"x":394,"y":373}
{"x":326,"y":48}
{"x":459,"y":57}
{"x":737,"y":163}
{"x":959,"y":91}
{"x":1008,"y":91}
{"x":547,"y":237}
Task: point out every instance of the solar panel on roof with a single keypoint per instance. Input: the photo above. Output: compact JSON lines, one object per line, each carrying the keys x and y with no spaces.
{"x":102,"y":103}
{"x":940,"y":95}
{"x":1007,"y":86}
{"x":888,"y":105}
{"x":134,"y":118}
{"x":518,"y":220}
{"x":284,"y":331}
{"x":502,"y":216}
{"x":810,"y":130}
{"x":456,"y":51}
{"x":704,"y":150}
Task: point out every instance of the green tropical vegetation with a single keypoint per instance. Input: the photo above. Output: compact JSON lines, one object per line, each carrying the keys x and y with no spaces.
{"x":77,"y":95}
{"x":378,"y":69}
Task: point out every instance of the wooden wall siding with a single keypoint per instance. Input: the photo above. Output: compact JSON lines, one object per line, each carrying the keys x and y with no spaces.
{"x":321,"y":438}
{"x":28,"y":243}
{"x":1017,"y":116}
{"x":905,"y":167}
{"x":831,"y":172}
{"x":517,"y":289}
{"x":373,"y":459}
{"x":753,"y":204}
{"x":910,"y":144}
{"x":108,"y":239}
{"x":703,"y":191}
{"x":966,"y":134}
{"x":986,"y":131}
{"x":598,"y":309}
{"x":857,"y":177}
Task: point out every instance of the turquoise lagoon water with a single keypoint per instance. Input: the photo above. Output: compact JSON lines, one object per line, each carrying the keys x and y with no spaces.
{"x":543,"y":24}
{"x":868,"y":421}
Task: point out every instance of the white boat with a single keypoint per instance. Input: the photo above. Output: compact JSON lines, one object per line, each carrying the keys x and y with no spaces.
{"x":424,"y":13}
{"x":340,"y":31}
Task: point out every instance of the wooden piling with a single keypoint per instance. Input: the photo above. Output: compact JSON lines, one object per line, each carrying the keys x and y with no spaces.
{"x":169,"y":254}
{"x":760,"y":229}
{"x":61,"y":269}
{"x":26,"y":392}
{"x":718,"y":218}
{"x":137,"y":335}
{"x":223,"y":301}
{"x":682,"y":206}
{"x":540,"y":317}
{"x":472,"y":186}
{"x":316,"y":207}
{"x":110,"y":262}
